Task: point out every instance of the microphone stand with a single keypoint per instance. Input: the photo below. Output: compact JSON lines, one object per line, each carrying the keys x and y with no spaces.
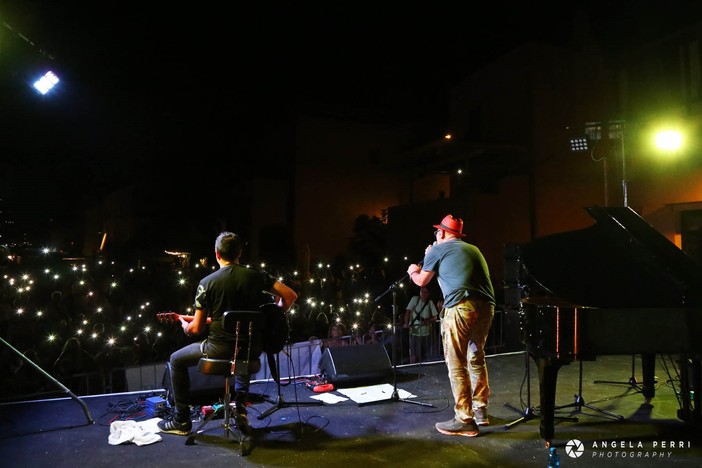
{"x":66,"y":390}
{"x":529,"y":412}
{"x":279,"y":402}
{"x":395,"y":397}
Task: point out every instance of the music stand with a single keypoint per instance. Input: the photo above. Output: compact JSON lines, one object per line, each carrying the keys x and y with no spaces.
{"x":279,"y":402}
{"x":395,"y":394}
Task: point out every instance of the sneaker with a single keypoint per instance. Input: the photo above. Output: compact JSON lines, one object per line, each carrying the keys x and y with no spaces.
{"x":481,"y":416}
{"x":171,"y":426}
{"x":454,"y":427}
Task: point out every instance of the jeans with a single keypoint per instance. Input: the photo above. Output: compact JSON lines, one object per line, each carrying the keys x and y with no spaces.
{"x":188,"y":356}
{"x":464,"y":331}
{"x":418,"y":347}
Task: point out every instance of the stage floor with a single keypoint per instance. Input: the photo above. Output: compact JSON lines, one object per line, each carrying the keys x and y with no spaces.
{"x":56,"y":433}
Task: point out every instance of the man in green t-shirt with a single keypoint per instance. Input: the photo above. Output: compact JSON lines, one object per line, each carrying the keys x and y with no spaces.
{"x":420,"y":314}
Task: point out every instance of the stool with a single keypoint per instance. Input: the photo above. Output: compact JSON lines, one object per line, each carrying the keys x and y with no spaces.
{"x":246,"y":327}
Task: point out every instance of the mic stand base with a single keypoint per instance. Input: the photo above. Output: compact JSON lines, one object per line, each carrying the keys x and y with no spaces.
{"x":395,"y":397}
{"x":527,"y":415}
{"x":279,"y":402}
{"x":579,"y":402}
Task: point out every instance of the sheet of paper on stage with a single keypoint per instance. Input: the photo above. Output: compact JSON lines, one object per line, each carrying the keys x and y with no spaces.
{"x":329,"y":398}
{"x":374,"y":393}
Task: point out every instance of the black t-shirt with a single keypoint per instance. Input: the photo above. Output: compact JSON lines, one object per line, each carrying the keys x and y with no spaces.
{"x":233,"y":287}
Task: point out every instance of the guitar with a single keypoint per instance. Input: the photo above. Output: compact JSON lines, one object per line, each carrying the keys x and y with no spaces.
{"x":275,"y":331}
{"x":172,"y":317}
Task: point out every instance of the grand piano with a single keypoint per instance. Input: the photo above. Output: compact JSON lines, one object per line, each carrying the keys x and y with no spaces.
{"x":616,"y":287}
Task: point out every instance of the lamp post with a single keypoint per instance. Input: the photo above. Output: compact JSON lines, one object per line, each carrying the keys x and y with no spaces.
{"x":616,"y":128}
{"x":625,"y":191}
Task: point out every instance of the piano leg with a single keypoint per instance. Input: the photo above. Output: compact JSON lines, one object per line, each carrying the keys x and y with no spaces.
{"x":690,"y":389}
{"x":548,"y":373}
{"x":695,"y":379}
{"x":648,"y":371}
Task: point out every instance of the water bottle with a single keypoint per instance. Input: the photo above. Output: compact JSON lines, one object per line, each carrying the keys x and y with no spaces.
{"x":554,"y":461}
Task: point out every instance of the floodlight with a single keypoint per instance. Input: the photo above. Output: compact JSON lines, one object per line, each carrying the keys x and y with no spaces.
{"x":668,"y":140}
{"x":46,"y":82}
{"x":579,"y":144}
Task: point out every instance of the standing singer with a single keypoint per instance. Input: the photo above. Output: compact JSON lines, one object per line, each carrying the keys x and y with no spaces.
{"x":469,"y":302}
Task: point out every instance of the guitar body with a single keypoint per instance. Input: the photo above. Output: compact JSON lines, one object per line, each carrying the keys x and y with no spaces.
{"x":275,"y":333}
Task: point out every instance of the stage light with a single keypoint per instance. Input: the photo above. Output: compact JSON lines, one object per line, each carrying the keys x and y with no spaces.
{"x":668,"y":140}
{"x":46,"y":83}
{"x":579,"y":144}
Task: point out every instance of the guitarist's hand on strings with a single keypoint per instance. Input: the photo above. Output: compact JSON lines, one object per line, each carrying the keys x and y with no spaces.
{"x":197,"y":325}
{"x":184,"y":324}
{"x":191,"y":324}
{"x":283,"y":296}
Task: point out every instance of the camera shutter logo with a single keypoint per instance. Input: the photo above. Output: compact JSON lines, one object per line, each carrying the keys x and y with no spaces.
{"x":574,"y":448}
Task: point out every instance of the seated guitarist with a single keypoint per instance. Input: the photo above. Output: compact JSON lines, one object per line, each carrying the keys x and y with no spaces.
{"x":231,"y":287}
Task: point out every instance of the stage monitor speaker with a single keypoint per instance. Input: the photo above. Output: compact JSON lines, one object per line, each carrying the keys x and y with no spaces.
{"x":349,"y":366}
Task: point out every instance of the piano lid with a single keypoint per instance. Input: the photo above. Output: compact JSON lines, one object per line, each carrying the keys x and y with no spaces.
{"x":621,"y":261}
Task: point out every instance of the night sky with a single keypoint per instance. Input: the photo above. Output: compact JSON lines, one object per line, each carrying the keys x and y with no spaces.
{"x":145,"y":86}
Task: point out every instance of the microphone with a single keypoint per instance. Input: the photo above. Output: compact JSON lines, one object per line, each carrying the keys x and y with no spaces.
{"x":421,"y":262}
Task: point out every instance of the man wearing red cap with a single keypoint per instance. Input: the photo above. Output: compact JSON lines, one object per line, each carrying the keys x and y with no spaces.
{"x":469,"y":302}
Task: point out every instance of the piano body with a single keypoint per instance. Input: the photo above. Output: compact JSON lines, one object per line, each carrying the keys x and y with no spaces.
{"x":616,"y":287}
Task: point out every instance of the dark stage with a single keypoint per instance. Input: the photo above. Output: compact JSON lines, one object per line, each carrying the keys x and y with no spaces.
{"x":56,"y":433}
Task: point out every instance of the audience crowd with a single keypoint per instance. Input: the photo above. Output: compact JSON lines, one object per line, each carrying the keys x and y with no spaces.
{"x":80,"y":317}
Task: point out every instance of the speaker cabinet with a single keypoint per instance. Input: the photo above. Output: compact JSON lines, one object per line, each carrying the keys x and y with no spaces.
{"x":145,"y":377}
{"x":350,"y":366}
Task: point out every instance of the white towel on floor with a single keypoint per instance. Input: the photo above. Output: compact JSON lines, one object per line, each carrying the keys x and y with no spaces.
{"x":132,"y":431}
